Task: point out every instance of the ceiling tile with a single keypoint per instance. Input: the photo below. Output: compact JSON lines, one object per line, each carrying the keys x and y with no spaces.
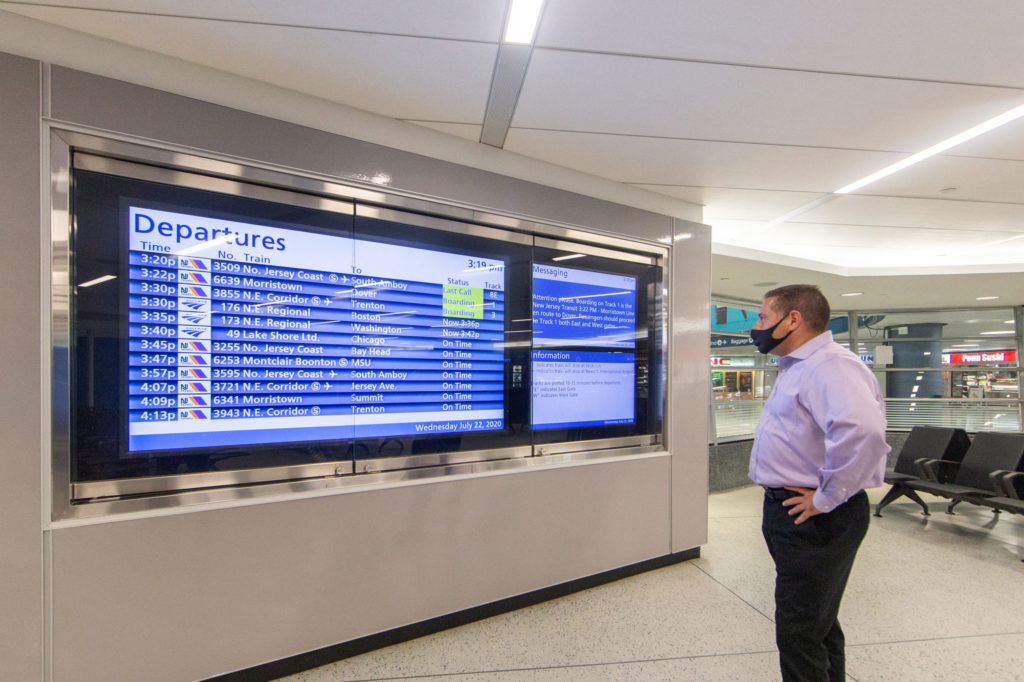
{"x":466,"y":131}
{"x":906,"y":212}
{"x":859,"y":246}
{"x":1006,"y":142}
{"x":628,"y":95}
{"x":399,"y":77}
{"x":480,"y":20}
{"x":973,"y":180}
{"x":639,"y":160}
{"x":945,"y":40}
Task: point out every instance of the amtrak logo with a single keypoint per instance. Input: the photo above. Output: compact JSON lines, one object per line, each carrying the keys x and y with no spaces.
{"x":194,"y":332}
{"x":194,"y":305}
{"x":195,"y":319}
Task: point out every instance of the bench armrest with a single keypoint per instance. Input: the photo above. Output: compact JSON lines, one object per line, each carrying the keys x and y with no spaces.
{"x":928,"y":468}
{"x":1005,"y":480}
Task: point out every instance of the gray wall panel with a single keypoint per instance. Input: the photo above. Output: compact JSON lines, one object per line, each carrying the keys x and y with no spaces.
{"x":188,"y":596}
{"x":115,"y":105}
{"x":21,"y":553}
{"x":690,"y":383}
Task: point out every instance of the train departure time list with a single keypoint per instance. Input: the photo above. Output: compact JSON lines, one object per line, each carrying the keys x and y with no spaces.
{"x":244,"y":334}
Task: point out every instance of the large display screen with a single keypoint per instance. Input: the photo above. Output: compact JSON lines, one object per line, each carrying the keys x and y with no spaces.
{"x":242,"y":333}
{"x":214,"y":329}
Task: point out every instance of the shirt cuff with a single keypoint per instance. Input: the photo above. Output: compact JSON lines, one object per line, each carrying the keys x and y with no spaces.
{"x":824,"y":504}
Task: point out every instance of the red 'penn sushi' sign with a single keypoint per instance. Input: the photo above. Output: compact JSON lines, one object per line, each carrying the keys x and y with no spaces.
{"x":979,"y":357}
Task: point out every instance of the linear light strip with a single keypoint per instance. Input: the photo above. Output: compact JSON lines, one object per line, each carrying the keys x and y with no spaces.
{"x":522,"y":21}
{"x":970,"y":134}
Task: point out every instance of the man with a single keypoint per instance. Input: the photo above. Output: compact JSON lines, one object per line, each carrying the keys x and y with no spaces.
{"x":820,"y":442}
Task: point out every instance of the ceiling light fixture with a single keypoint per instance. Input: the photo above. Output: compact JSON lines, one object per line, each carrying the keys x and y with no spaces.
{"x":998,"y":333}
{"x":986,"y":298}
{"x":853,"y":293}
{"x":569,"y":257}
{"x":960,"y":138}
{"x":522,"y":21}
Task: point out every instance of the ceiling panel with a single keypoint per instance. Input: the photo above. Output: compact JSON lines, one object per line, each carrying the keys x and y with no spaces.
{"x":903,"y":212}
{"x":398,"y":77}
{"x":747,"y":204}
{"x":453,"y":19}
{"x":611,"y":94}
{"x":1006,"y":142}
{"x":946,"y":40}
{"x":682,"y":162}
{"x":734,"y":277}
{"x":466,"y":131}
{"x":971,"y":179}
{"x":859,"y":246}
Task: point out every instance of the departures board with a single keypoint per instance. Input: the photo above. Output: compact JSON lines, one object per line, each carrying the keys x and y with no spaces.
{"x":215,"y":331}
{"x":250,"y":334}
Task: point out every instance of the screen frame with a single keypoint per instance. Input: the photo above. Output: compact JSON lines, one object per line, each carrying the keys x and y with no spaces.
{"x":250,"y":179}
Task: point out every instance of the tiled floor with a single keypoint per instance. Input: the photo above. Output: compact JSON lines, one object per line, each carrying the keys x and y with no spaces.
{"x":940,"y":598}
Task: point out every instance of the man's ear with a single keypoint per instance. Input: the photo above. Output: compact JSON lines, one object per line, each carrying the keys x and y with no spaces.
{"x":797,"y":320}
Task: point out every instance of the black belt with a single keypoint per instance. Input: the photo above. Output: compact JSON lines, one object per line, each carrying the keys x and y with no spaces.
{"x":779,"y":494}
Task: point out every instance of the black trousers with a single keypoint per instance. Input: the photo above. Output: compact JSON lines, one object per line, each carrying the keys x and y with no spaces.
{"x":812,"y":563}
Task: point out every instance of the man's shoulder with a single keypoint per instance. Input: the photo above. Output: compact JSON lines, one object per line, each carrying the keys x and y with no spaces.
{"x":834,"y":355}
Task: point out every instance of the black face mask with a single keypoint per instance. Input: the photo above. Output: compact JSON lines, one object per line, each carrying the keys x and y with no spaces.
{"x":764,"y":340}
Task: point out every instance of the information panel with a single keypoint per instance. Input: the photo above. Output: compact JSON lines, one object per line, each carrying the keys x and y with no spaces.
{"x":574,"y":307}
{"x":245,"y":334}
{"x":576,"y":389}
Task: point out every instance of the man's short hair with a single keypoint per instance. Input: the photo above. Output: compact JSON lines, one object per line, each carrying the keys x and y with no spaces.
{"x":808,"y":299}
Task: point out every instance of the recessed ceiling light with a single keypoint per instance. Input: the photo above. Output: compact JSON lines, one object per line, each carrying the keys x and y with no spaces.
{"x":569,"y":257}
{"x":853,"y":293}
{"x":986,"y":298}
{"x":998,"y":333}
{"x":960,"y":138}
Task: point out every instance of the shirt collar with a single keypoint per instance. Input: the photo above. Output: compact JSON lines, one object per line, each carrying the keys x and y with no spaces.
{"x":807,"y":350}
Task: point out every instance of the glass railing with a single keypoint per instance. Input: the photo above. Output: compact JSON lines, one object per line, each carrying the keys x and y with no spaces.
{"x":970,"y":415}
{"x":736,"y":419}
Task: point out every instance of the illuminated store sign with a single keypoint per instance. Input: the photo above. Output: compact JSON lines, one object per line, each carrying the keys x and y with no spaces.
{"x":973,"y":358}
{"x":732,"y":362}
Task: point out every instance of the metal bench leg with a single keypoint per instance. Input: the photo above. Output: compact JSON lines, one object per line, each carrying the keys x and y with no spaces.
{"x":894,"y":493}
{"x":912,"y":494}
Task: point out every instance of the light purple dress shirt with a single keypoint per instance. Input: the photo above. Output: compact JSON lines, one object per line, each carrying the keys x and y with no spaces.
{"x":823,"y":426}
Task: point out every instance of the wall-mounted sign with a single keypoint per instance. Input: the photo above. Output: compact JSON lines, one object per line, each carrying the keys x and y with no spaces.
{"x":732,"y":362}
{"x":983,"y":356}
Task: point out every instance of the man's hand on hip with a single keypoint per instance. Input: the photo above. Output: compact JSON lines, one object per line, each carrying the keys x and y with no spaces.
{"x":802,"y":504}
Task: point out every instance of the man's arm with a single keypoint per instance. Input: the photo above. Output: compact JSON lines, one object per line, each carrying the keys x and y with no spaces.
{"x":846,"y":403}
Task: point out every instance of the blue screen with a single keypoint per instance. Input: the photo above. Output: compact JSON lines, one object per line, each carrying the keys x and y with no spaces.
{"x":582,"y":388}
{"x":583,"y":308}
{"x":246,"y":334}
